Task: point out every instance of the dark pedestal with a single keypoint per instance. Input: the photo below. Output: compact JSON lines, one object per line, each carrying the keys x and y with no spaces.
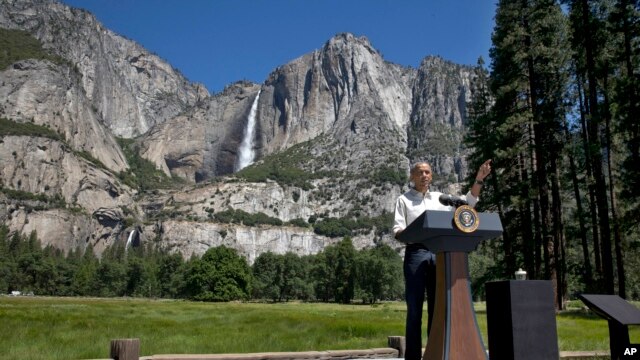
{"x":521,"y":320}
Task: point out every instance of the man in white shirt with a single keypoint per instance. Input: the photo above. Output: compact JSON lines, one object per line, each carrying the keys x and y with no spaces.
{"x":419,"y":262}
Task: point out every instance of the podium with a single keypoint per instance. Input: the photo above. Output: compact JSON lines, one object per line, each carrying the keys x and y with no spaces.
{"x":454,"y":330}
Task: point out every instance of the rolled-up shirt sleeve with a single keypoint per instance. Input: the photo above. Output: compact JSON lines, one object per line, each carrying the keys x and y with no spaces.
{"x":400,"y":218}
{"x":471,"y":200}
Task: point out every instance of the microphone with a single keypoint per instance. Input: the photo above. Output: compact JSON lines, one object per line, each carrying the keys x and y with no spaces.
{"x":451,"y":200}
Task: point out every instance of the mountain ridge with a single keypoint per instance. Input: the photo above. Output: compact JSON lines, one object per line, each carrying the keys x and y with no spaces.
{"x":336,"y":130}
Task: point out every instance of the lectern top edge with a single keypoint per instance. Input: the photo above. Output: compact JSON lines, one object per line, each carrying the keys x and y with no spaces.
{"x":437,"y":231}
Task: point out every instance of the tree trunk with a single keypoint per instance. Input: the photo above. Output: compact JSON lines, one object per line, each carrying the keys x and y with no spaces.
{"x":596,"y":157}
{"x":622,"y":292}
{"x":587,"y":274}
{"x":593,"y":211}
{"x":558,"y":231}
{"x":539,"y":140}
{"x":528,"y":245}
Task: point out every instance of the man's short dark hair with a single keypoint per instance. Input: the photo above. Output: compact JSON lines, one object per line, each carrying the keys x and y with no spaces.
{"x":415,"y":164}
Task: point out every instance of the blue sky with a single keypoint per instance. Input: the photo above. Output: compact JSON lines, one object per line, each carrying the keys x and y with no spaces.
{"x":217,"y":42}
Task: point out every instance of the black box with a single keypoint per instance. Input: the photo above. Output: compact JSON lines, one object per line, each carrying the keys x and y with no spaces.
{"x":521,"y":320}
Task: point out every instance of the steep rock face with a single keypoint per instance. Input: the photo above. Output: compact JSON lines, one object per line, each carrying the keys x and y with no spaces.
{"x":327,"y":90}
{"x":437,"y":124}
{"x":345,"y":90}
{"x":44,"y":166}
{"x":131,"y":89}
{"x":202,"y":142}
{"x":189,"y":227}
{"x":59,"y":228}
{"x":189,"y":239}
{"x":66,"y":229}
{"x":50,"y":95}
{"x":272,"y":199}
{"x":92,"y":199}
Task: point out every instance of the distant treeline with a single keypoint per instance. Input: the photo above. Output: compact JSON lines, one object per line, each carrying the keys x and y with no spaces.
{"x":340,"y":273}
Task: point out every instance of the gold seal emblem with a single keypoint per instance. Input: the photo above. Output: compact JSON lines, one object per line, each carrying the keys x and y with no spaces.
{"x":466,"y":219}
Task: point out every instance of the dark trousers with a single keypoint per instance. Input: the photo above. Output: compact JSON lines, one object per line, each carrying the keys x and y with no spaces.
{"x":419,"y":276}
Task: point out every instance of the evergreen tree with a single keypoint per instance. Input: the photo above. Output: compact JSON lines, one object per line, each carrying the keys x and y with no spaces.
{"x":603,"y":34}
{"x":528,"y":81}
{"x":171,"y":275}
{"x":84,"y":278}
{"x":379,"y":274}
{"x":5,"y":267}
{"x":295,"y":282}
{"x":323,"y":277}
{"x":268,"y":276}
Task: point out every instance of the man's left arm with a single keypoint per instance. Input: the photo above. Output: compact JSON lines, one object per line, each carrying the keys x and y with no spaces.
{"x":483,"y":172}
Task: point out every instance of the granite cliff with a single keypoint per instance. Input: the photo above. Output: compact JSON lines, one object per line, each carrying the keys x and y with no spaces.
{"x":335,"y":131}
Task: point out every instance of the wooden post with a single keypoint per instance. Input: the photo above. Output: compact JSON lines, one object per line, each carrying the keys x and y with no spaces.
{"x":399,"y":343}
{"x":125,"y":349}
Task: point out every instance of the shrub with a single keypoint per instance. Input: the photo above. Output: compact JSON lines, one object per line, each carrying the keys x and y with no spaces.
{"x":12,"y":128}
{"x":347,"y":226}
{"x":298,"y":222}
{"x":284,"y":167}
{"x":142,"y":173}
{"x":389,"y":175}
{"x":19,"y":45}
{"x":232,"y":216}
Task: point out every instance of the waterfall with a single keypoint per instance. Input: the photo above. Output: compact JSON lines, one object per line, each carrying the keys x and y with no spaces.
{"x":246,"y":154}
{"x":128,"y":244}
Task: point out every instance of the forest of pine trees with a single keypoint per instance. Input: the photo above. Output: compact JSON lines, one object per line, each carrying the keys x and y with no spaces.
{"x":339,"y":273}
{"x":558,"y":112}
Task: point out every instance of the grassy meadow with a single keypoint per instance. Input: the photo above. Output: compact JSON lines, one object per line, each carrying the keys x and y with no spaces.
{"x":82,"y":328}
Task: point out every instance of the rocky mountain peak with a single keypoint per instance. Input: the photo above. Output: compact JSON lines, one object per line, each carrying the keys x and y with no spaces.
{"x":343,"y":41}
{"x":335,"y":130}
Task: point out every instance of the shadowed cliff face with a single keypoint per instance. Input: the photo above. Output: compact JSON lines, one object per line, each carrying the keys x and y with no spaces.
{"x":344,"y":90}
{"x":438,"y":118}
{"x":202,"y":142}
{"x":346,"y":121}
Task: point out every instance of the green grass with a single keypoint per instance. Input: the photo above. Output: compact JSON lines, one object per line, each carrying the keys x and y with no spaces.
{"x":76,"y":328}
{"x":79,"y":328}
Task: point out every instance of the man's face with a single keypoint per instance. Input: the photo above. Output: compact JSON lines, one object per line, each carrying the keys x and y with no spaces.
{"x":421,"y":176}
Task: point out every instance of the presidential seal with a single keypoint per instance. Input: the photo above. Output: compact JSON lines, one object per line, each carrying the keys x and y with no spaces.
{"x":466,"y":219}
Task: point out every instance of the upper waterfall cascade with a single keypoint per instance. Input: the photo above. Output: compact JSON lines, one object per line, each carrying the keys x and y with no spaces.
{"x":246,"y":153}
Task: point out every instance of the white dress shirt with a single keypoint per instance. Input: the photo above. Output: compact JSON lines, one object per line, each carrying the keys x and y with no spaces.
{"x":413,"y":203}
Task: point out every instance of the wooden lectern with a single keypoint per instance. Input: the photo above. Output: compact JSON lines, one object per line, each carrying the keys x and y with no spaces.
{"x":454,"y":330}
